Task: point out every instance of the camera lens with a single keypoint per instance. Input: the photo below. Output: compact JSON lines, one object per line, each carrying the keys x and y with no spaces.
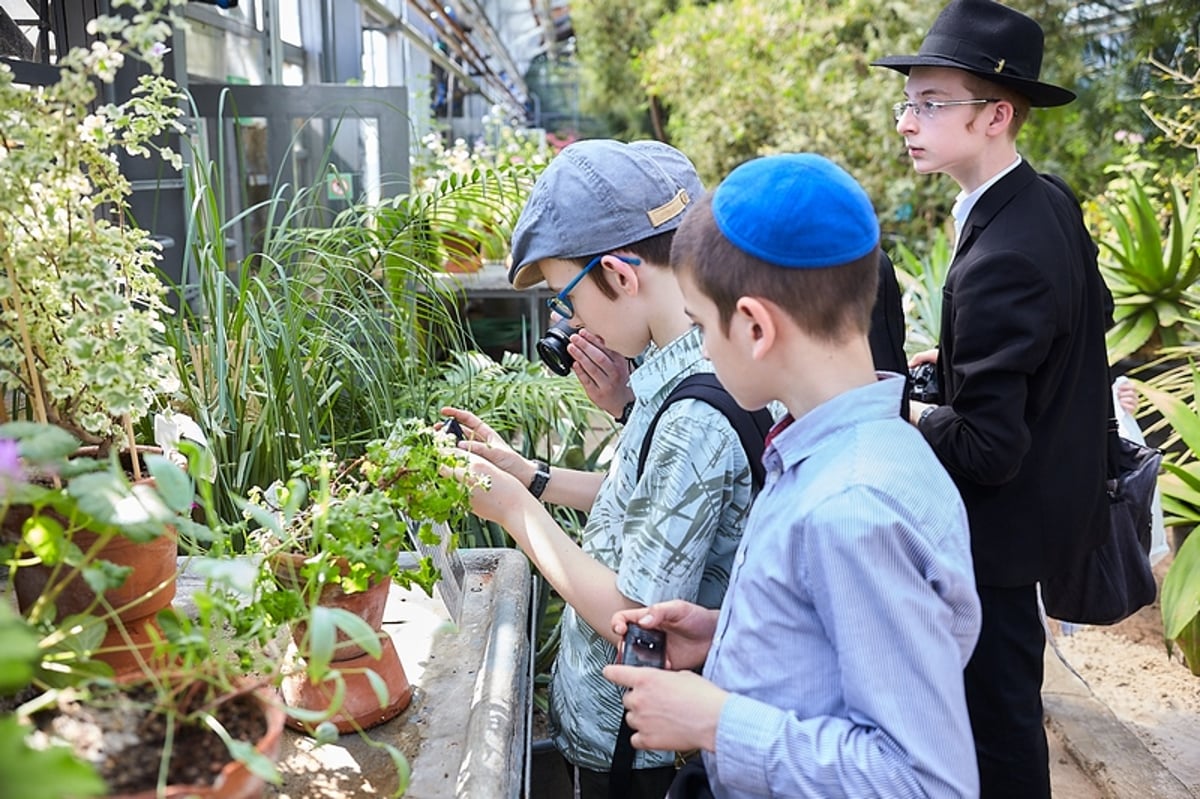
{"x":552,"y":347}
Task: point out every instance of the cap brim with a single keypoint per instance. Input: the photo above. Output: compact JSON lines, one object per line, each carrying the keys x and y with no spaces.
{"x":525,"y":277}
{"x":1040,"y":95}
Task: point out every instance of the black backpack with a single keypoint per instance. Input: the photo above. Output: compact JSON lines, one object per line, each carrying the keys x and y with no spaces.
{"x":751,"y":428}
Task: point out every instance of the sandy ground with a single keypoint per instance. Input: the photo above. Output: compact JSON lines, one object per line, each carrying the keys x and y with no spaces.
{"x":1152,"y":693}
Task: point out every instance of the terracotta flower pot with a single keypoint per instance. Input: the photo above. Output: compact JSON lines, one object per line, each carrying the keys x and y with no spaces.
{"x":148,"y":588}
{"x":361,"y":708}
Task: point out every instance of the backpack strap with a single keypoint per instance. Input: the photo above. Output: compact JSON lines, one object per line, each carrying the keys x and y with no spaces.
{"x":751,"y":428}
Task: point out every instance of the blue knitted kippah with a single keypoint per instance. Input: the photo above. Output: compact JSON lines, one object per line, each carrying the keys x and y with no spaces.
{"x":797,"y":210}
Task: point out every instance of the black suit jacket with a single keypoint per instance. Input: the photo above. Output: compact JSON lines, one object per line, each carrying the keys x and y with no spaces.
{"x":1024,"y":375}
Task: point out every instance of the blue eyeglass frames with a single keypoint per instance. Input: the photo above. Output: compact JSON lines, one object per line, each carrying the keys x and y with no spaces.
{"x":562,"y":306}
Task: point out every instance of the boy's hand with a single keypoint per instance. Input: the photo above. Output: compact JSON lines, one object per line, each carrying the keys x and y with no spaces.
{"x":603,"y":373}
{"x":480,"y":439}
{"x":499,"y":497}
{"x":925,"y":356}
{"x":689,"y":629}
{"x":669,"y":709}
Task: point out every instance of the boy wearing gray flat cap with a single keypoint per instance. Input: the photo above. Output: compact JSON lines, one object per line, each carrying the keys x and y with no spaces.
{"x":1021,"y":361}
{"x":597,"y":228}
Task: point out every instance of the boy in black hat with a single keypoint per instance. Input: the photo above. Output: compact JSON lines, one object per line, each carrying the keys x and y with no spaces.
{"x":1021,"y":361}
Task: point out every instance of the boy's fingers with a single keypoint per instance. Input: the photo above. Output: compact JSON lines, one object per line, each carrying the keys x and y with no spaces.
{"x":625,"y":676}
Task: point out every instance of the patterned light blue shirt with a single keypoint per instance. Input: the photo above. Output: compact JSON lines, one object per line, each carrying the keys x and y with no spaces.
{"x":850,"y":616}
{"x":671,"y":534}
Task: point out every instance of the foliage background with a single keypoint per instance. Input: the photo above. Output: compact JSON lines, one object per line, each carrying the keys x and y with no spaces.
{"x":731,"y":80}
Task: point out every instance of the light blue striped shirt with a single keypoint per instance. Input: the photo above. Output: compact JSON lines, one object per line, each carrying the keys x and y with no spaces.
{"x":850,"y":615}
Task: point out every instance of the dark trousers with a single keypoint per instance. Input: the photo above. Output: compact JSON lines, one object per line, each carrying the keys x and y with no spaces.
{"x":652,"y":783}
{"x":1004,"y":696}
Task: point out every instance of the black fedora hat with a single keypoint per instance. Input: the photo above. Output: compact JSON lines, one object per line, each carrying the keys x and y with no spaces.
{"x":990,"y":40}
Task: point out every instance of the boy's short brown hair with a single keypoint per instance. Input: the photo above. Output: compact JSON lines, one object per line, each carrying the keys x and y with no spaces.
{"x":655,"y":250}
{"x":831,"y":303}
{"x":982,"y":87}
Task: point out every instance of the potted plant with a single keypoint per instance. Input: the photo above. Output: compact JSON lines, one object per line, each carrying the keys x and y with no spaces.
{"x":330,"y":537}
{"x":477,"y":190}
{"x":188,"y":692}
{"x":81,"y":307}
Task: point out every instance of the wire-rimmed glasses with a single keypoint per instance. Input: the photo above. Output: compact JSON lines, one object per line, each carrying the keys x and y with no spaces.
{"x":927,"y":109}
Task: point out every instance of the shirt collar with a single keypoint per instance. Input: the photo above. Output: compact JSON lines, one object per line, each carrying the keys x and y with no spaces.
{"x":665,"y":366}
{"x":792,"y":440}
{"x":964,"y":202}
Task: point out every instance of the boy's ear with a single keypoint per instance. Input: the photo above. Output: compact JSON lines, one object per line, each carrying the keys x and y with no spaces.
{"x":1002,"y":118}
{"x":754,"y":323}
{"x":625,"y":274}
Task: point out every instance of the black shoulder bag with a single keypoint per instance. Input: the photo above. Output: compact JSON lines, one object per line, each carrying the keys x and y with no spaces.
{"x":1114,"y":580}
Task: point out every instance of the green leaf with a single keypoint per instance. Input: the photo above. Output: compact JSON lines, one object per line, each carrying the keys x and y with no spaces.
{"x":40,"y":444}
{"x":245,"y":752}
{"x":379,"y":686}
{"x":1181,"y":590}
{"x":49,"y":773}
{"x":19,"y":651}
{"x":46,"y":538}
{"x":172,"y":482}
{"x":403,"y":769}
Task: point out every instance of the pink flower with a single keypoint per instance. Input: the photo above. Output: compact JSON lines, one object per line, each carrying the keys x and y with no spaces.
{"x":10,"y":464}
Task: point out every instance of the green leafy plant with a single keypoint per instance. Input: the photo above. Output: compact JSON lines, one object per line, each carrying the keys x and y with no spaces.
{"x":351,"y":520}
{"x":921,"y":279}
{"x":49,"y":500}
{"x":81,"y":308}
{"x":1150,"y":264}
{"x":1174,"y":394}
{"x":475,"y":191}
{"x":303,"y":345}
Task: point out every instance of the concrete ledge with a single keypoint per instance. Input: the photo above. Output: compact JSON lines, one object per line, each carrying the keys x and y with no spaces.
{"x":1108,"y":751}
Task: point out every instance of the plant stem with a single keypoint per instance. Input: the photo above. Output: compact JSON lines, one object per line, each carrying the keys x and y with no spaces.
{"x":39,"y":405}
{"x":136,"y":467}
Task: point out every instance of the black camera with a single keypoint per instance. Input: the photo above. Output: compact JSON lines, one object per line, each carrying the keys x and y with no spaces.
{"x":552,"y":347}
{"x":924,"y":386}
{"x":644,"y":647}
{"x":455,"y":429}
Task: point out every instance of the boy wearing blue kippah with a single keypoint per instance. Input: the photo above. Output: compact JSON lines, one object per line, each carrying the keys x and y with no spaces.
{"x":834,"y":666}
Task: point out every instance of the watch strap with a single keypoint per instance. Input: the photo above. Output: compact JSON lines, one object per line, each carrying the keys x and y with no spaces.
{"x":540,"y":478}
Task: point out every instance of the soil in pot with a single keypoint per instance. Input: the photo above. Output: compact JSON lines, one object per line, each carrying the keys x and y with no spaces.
{"x":124,"y":738}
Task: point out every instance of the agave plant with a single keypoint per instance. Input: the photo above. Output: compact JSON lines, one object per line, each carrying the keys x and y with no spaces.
{"x":1174,"y":394}
{"x":1151,"y":274}
{"x":921,"y":279}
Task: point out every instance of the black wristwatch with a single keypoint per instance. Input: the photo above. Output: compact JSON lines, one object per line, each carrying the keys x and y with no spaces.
{"x":925,"y":414}
{"x":540,"y":478}
{"x":624,"y":417}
